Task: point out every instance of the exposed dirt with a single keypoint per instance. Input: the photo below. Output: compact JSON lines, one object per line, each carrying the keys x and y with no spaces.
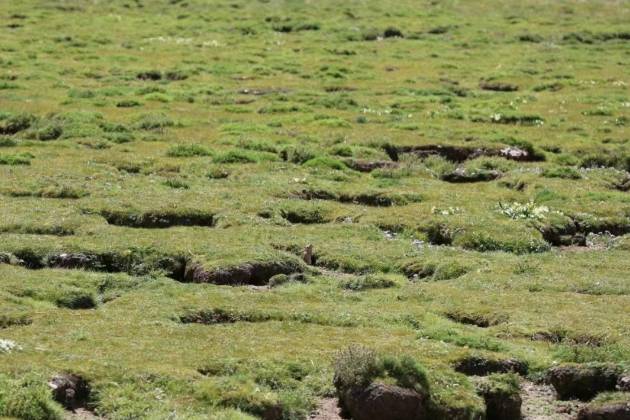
{"x":369,"y":165}
{"x":256,"y":273}
{"x":374,"y":199}
{"x":540,"y":403}
{"x":610,"y":411}
{"x":7,"y":321}
{"x":111,"y":262}
{"x":566,"y":337}
{"x":498,"y":86}
{"x":158,"y":219}
{"x":461,"y":175}
{"x":576,"y":232}
{"x":80,"y":414}
{"x":327,"y":409}
{"x":478,"y":320}
{"x":479,"y":366}
{"x":384,"y":401}
{"x":460,"y":154}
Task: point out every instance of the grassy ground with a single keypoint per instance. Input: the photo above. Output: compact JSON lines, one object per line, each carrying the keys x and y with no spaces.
{"x":152,"y":140}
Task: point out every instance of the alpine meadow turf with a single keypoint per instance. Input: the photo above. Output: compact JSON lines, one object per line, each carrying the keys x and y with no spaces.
{"x":460,"y":169}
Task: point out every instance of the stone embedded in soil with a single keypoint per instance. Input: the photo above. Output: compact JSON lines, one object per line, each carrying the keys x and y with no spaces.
{"x":384,"y":402}
{"x":480,"y":366}
{"x":583,"y":381}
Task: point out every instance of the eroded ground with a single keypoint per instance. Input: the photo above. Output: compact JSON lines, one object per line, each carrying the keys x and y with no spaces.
{"x":461,"y":170}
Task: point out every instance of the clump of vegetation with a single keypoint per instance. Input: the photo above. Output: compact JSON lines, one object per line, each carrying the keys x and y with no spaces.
{"x":564,"y":172}
{"x":76,"y":299}
{"x":281,"y":279}
{"x":218,"y":173}
{"x":298,"y":154}
{"x":433,"y":271}
{"x":304,"y":212}
{"x":242,"y":156}
{"x":12,"y":124}
{"x":188,"y":150}
{"x":357,"y":367}
{"x":16,"y":159}
{"x":325,"y":162}
{"x":177,"y":184}
{"x":7,"y":142}
{"x":368,"y":282}
{"x":154,"y":122}
{"x":28,"y":398}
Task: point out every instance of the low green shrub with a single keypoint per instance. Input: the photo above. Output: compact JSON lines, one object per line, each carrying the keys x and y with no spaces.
{"x":564,"y":172}
{"x":367,"y":282}
{"x":188,"y":150}
{"x":358,"y":367}
{"x":28,"y":398}
{"x":325,"y":162}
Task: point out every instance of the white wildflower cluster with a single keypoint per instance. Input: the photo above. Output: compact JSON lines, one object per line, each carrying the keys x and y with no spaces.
{"x":7,"y":346}
{"x":446,"y":211}
{"x":523,"y":210}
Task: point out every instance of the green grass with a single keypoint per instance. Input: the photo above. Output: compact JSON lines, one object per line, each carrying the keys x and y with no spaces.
{"x":164,"y":140}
